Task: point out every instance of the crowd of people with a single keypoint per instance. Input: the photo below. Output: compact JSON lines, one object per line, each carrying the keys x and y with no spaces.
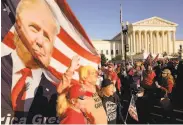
{"x":156,"y":79}
{"x":98,"y":97}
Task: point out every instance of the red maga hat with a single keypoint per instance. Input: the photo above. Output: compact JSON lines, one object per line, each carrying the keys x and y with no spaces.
{"x":77,"y":91}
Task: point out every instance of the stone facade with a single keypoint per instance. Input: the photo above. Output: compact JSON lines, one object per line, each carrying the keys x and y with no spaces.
{"x":154,"y":35}
{"x":110,"y":48}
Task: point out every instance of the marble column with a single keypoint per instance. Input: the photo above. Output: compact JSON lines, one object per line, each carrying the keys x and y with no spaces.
{"x":141,"y":36}
{"x":173,"y":41}
{"x":145,"y":40}
{"x":134,"y":41}
{"x":154,"y":43}
{"x":131,"y":42}
{"x":168,"y":42}
{"x":137,"y":43}
{"x":140,"y":42}
{"x":160,"y":42}
{"x":148,"y":45}
{"x":157,"y":42}
{"x":151,"y":42}
{"x":114,"y":50}
{"x":163,"y":42}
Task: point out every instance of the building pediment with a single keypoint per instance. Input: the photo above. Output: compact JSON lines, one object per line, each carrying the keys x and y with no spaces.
{"x":155,"y":21}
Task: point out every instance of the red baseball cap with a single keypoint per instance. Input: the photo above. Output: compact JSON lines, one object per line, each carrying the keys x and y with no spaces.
{"x":77,"y":91}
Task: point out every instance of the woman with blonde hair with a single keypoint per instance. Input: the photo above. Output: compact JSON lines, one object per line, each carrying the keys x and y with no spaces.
{"x":167,"y":84}
{"x":167,"y":81}
{"x":71,"y":105}
{"x":88,"y":76}
{"x":70,"y":101}
{"x":76,"y":108}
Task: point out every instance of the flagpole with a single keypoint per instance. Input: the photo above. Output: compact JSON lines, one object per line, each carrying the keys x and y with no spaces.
{"x":121,"y":24}
{"x":128,"y":109}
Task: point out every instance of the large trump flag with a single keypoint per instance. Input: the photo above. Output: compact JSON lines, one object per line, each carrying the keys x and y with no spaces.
{"x":72,"y":40}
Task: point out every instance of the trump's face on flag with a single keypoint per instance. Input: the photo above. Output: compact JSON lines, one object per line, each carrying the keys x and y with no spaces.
{"x":37,"y":29}
{"x":33,"y":34}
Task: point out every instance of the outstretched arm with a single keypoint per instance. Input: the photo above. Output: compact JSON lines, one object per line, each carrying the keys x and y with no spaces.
{"x":67,"y":76}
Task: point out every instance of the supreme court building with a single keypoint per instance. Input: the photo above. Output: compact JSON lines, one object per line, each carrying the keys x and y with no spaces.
{"x":155,"y":35}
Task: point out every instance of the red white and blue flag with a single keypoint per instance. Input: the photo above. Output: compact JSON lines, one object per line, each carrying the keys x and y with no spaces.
{"x":72,"y":40}
{"x":155,"y":59}
{"x":132,"y":110}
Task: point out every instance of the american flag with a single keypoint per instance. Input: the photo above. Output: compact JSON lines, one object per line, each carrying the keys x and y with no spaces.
{"x":148,"y":60}
{"x":132,"y":110}
{"x":72,"y":40}
{"x":155,"y":59}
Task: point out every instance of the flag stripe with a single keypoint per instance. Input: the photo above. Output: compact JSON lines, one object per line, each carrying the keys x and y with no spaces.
{"x":62,"y":68}
{"x":72,"y":18}
{"x":77,"y":48}
{"x":55,"y":73}
{"x":5,"y":50}
{"x":70,"y":47}
{"x":71,"y":30}
{"x":60,"y":57}
{"x":8,"y":40}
